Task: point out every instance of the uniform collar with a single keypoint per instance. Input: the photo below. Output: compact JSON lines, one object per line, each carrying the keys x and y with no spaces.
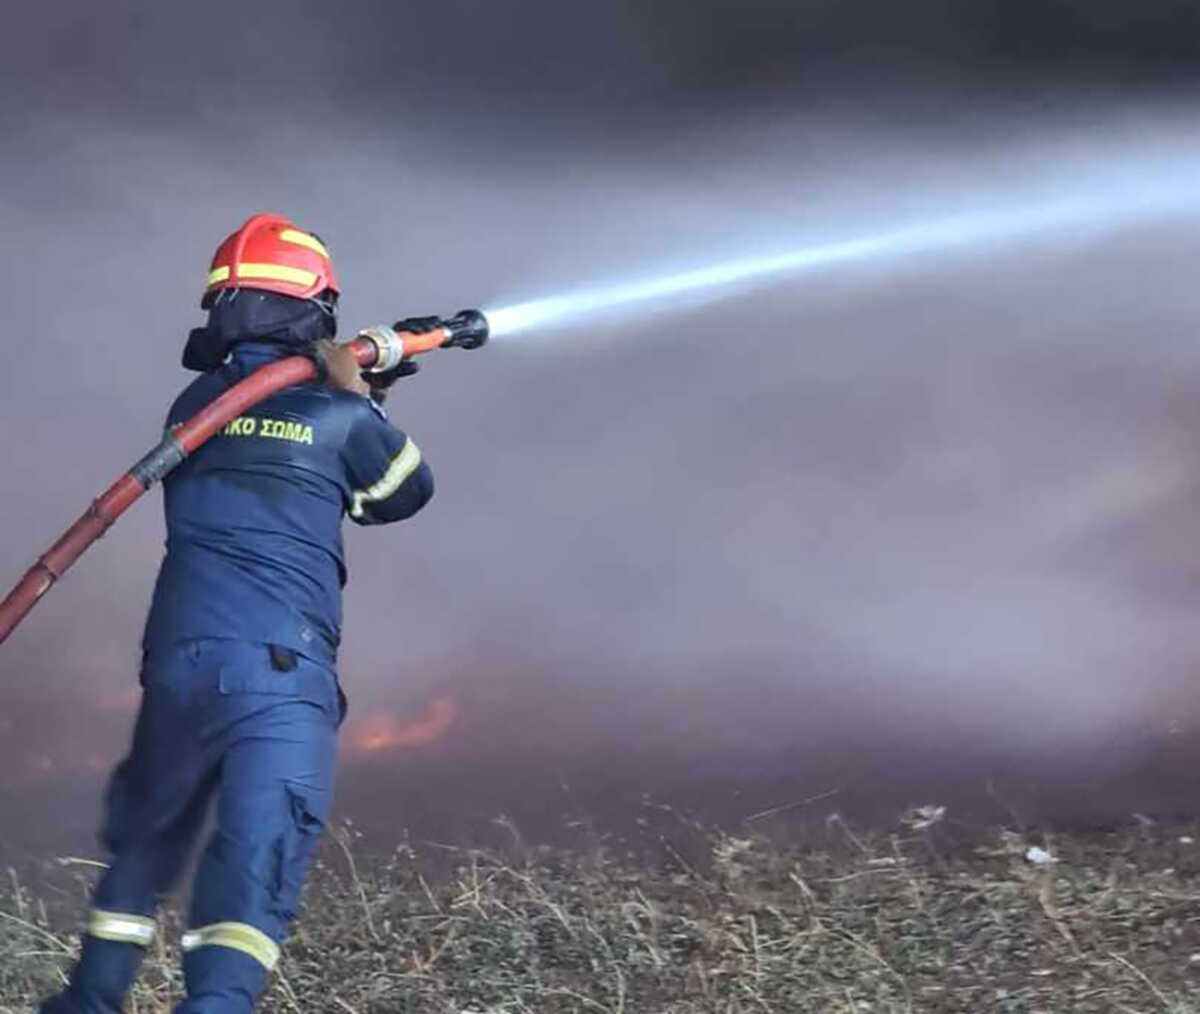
{"x":253,"y":354}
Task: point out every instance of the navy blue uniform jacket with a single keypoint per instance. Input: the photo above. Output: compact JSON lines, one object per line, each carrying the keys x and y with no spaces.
{"x":254,"y":540}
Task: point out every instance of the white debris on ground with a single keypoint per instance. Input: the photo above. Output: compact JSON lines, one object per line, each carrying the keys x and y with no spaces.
{"x":921,"y":817}
{"x":1039,"y":856}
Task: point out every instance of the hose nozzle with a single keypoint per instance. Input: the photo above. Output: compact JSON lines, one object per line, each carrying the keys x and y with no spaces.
{"x":380,"y":349}
{"x":468,"y":330}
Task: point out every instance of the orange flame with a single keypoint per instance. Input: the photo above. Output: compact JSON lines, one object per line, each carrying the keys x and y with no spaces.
{"x":383,"y":732}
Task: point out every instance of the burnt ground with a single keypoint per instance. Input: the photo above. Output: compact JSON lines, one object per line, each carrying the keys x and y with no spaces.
{"x":928,"y":915}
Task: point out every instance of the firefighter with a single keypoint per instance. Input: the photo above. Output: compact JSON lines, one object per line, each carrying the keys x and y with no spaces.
{"x":240,"y":699}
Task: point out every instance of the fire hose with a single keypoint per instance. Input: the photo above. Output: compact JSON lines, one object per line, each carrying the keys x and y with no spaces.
{"x":377,"y":350}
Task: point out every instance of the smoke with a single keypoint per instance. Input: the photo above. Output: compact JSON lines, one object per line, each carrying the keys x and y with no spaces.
{"x":860,"y":415}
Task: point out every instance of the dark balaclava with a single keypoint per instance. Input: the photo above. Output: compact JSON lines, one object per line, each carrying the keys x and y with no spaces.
{"x":239,"y":315}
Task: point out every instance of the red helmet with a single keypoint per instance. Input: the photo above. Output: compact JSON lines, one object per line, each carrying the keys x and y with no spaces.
{"x":269,"y":252}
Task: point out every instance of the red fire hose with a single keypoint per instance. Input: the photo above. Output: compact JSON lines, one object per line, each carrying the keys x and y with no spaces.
{"x":376,"y":348}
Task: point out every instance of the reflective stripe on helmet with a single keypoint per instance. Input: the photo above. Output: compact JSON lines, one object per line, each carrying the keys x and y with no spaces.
{"x":304,"y":239}
{"x":238,"y":936}
{"x":270,"y":253}
{"x":274,"y":272}
{"x":121,"y":927}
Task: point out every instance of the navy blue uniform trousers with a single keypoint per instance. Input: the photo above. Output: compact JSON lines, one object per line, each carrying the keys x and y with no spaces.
{"x":254,"y":731}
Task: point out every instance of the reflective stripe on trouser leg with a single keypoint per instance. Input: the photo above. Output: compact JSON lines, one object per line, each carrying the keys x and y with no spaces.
{"x":239,"y":936}
{"x":122,"y":927}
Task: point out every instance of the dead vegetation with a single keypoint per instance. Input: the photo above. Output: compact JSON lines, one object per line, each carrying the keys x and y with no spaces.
{"x":923,"y":919}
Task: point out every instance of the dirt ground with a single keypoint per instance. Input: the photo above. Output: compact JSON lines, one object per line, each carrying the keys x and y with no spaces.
{"x":928,"y":917}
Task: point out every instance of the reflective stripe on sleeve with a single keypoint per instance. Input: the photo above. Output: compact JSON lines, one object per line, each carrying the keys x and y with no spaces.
{"x":121,"y":927}
{"x":403,"y":465}
{"x":238,"y":936}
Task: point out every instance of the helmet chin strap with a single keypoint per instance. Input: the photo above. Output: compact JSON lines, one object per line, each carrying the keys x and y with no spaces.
{"x":327,"y":301}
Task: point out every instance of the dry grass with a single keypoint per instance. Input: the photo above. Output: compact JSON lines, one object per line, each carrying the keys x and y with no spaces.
{"x":922,"y":920}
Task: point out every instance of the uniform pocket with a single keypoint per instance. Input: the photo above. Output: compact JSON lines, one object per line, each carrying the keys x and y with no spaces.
{"x":308,"y":806}
{"x":238,"y":678}
{"x":255,"y":674}
{"x":308,"y":809}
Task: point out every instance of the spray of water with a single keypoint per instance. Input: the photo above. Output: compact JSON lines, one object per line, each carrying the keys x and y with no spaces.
{"x":1104,"y":209}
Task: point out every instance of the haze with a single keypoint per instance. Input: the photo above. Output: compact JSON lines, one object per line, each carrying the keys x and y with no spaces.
{"x":892,"y":529}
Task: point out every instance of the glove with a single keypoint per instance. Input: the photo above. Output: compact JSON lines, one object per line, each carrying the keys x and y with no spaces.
{"x":417,"y":325}
{"x":381,"y":383}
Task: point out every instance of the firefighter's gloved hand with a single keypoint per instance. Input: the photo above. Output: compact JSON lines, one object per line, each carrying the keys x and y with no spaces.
{"x":418,"y":325}
{"x":382,"y":382}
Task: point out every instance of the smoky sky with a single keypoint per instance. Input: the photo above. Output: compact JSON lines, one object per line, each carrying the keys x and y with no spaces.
{"x":949,"y":500}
